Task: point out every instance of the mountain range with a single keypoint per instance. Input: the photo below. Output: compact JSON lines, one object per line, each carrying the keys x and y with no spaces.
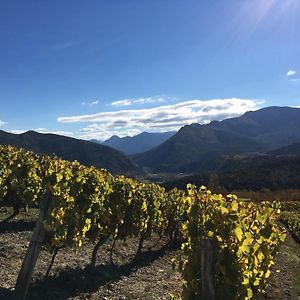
{"x":198,"y":147}
{"x":220,"y":146}
{"x":138,"y":143}
{"x":85,"y":152}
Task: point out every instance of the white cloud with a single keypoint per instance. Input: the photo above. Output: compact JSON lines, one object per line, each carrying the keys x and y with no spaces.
{"x":2,"y":123}
{"x":40,"y":129}
{"x":17,"y":131}
{"x":292,"y":78}
{"x":127,"y":102}
{"x":291,"y":73}
{"x":161,"y":118}
{"x":59,"y":132}
{"x":101,"y":132}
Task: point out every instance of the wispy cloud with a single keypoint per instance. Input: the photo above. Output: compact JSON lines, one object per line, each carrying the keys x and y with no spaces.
{"x":90,"y":103}
{"x":291,"y":73}
{"x":127,"y":102}
{"x":295,"y":80}
{"x":59,"y":132}
{"x":161,"y":118}
{"x":63,"y":46}
{"x":2,"y":123}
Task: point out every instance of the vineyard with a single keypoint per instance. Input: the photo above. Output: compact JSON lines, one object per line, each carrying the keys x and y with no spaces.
{"x":292,"y":221}
{"x":86,"y":207}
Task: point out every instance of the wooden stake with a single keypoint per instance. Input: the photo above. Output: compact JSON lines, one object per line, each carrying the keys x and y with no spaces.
{"x":207,"y":270}
{"x":33,"y":250}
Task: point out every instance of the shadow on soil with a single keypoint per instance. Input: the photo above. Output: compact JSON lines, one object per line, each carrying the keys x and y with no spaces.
{"x":72,"y":282}
{"x":6,"y":294}
{"x":16,"y":226}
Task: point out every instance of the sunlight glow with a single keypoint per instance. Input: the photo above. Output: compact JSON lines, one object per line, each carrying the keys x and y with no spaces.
{"x":254,"y":13}
{"x":260,"y":9}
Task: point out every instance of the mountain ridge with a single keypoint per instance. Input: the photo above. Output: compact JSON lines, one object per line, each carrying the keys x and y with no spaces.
{"x":68,"y":148}
{"x":139,"y":143}
{"x":292,"y":149}
{"x":258,"y":131}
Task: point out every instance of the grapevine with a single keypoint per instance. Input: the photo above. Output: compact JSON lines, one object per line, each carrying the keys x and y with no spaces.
{"x":89,"y":205}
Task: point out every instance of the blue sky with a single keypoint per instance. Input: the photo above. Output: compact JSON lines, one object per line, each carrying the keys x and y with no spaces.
{"x":91,"y":69}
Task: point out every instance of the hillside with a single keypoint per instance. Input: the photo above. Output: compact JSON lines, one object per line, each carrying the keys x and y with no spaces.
{"x":293,"y":149}
{"x":248,"y":173}
{"x":196,"y":147}
{"x":272,"y":127}
{"x":87,"y":153}
{"x":138,"y":143}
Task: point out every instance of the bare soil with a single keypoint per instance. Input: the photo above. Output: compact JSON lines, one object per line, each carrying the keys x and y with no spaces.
{"x":285,"y":277}
{"x":151,"y":276}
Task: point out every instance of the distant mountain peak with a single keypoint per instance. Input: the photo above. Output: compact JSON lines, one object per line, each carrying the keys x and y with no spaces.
{"x":114,"y":137}
{"x":29,"y":132}
{"x":139,"y":143}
